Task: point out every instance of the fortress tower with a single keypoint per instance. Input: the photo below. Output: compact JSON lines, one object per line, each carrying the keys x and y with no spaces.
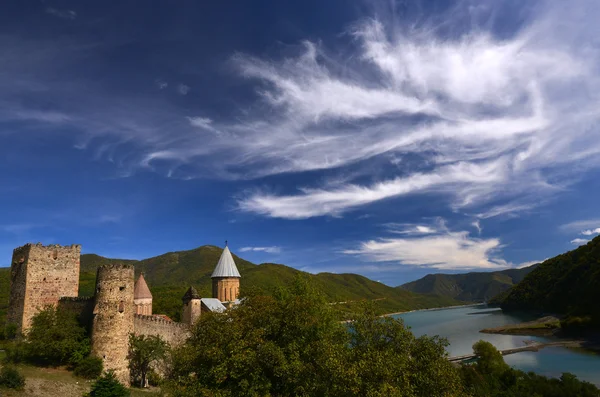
{"x":40,"y":276}
{"x":142,"y":297}
{"x":113,"y":318}
{"x":191,"y":306}
{"x":226,"y":278}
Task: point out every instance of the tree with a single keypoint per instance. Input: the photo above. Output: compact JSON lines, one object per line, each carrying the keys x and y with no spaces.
{"x":292,"y":343}
{"x":56,"y":338}
{"x":144,"y":352}
{"x":108,"y":386}
{"x":490,"y":360}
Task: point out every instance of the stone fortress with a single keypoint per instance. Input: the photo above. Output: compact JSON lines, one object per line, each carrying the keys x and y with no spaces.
{"x":44,"y":276}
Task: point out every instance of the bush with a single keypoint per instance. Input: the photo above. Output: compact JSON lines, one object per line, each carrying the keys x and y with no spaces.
{"x":15,"y":352}
{"x":56,"y":338}
{"x":88,"y":368}
{"x":11,"y":378}
{"x":108,"y":386}
{"x":10,"y":331}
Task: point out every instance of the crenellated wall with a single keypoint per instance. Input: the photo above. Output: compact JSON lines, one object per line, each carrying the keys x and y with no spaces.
{"x":172,"y":332}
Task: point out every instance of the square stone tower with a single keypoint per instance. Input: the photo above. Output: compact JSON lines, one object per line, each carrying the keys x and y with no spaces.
{"x":40,"y":276}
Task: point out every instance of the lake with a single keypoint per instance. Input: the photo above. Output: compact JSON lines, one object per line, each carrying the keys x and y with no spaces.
{"x":461,"y":327}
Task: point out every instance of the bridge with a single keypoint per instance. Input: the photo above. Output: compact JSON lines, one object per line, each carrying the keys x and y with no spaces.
{"x":530,"y":346}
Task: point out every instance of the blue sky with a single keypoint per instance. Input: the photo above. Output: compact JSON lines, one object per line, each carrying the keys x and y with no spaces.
{"x":390,"y":139}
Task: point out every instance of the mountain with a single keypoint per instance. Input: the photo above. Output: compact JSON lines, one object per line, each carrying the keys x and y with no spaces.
{"x":169,"y":275}
{"x":468,"y":287}
{"x":566,"y":284}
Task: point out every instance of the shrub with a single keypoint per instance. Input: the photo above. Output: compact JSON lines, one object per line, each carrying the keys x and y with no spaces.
{"x":11,"y":378}
{"x":89,"y":367}
{"x":108,"y":386}
{"x":10,"y":331}
{"x":15,"y":352}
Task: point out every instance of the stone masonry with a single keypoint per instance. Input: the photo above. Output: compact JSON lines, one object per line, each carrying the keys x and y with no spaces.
{"x":40,"y":276}
{"x":49,"y":275}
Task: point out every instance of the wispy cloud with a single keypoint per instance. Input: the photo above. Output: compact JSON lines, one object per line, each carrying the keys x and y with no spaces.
{"x":579,"y":241}
{"x":496,"y":123}
{"x":452,"y":250}
{"x":64,"y":14}
{"x":270,"y":250}
{"x":183,"y":89}
{"x":590,"y":232}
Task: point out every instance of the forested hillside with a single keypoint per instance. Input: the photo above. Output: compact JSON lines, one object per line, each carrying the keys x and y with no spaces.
{"x":468,"y":287}
{"x":567,"y":284}
{"x":169,"y":275}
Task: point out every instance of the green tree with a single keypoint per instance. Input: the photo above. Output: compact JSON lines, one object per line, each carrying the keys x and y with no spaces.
{"x":144,"y":352}
{"x":89,"y":367}
{"x":108,"y":386}
{"x":292,"y":344}
{"x":490,"y":360}
{"x":56,"y":338}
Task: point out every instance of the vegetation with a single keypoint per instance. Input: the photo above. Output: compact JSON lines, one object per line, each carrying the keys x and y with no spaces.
{"x":56,"y":338}
{"x":11,"y":378}
{"x":490,"y":376}
{"x":171,"y":274}
{"x":292,"y":344}
{"x":144,"y":353}
{"x":108,"y":386}
{"x":89,"y":368}
{"x":468,"y":287}
{"x":566,"y":284}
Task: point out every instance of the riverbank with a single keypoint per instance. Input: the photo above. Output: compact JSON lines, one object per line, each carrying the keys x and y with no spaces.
{"x":545,"y":326}
{"x":433,"y":309}
{"x":548,"y":327}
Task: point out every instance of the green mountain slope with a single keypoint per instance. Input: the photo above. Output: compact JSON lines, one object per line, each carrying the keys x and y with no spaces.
{"x":468,"y":287}
{"x":566,"y":284}
{"x":170,"y":274}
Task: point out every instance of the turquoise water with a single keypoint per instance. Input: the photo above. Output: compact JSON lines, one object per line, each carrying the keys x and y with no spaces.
{"x":461,"y":327}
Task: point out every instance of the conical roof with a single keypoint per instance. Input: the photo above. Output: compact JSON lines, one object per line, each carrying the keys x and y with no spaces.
{"x":141,"y":290}
{"x":190,"y":294}
{"x":226,"y":266}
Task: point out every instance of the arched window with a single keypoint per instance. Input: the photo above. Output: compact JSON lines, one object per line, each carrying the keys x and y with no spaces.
{"x":121,"y":307}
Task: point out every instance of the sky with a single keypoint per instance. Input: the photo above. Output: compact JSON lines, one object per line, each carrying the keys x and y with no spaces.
{"x":386,"y":138}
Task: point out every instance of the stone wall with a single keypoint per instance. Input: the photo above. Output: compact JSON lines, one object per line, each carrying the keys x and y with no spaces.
{"x":191,"y":311}
{"x":40,"y":276}
{"x":226,"y":289}
{"x":82,"y":306}
{"x":172,"y":332}
{"x":113,"y":318}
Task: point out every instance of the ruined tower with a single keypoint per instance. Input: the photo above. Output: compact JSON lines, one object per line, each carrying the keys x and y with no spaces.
{"x":40,"y":276}
{"x":226,"y":278}
{"x":142,"y":297}
{"x":191,"y":306}
{"x":113,"y":318}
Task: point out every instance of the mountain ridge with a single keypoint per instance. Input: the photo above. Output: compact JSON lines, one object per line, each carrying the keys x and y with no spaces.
{"x":469,"y":287}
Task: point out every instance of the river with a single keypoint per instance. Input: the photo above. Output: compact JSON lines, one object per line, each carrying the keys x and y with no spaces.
{"x":461,"y":327}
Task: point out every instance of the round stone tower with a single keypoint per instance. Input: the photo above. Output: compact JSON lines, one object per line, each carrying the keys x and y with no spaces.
{"x":113,"y":318}
{"x":226,"y":278}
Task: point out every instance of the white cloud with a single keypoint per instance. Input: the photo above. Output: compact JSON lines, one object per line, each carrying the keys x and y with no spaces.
{"x":590,"y":232}
{"x":161,"y":84}
{"x":581,"y":225}
{"x":452,"y":250}
{"x":579,"y":241}
{"x":522,"y":110}
{"x":64,"y":14}
{"x":183,"y":89}
{"x":477,"y":225}
{"x":270,"y":250}
{"x":528,"y":263}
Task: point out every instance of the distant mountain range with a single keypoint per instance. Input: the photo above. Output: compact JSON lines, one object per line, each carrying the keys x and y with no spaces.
{"x":170,"y":274}
{"x":468,"y":287}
